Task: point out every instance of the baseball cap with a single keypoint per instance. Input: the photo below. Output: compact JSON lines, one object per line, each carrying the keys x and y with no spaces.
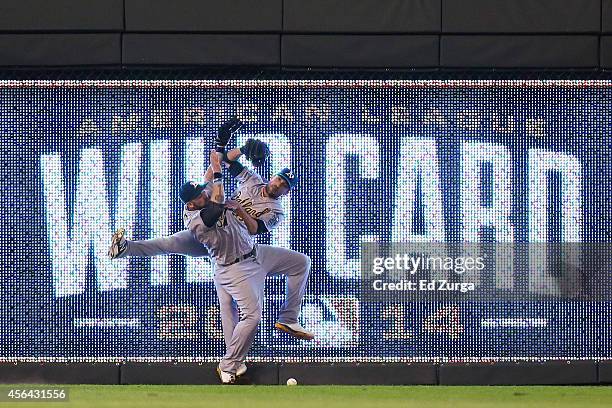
{"x":191,"y":190}
{"x":289,"y":177}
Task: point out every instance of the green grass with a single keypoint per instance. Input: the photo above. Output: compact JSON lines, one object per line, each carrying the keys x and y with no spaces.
{"x":177,"y":396}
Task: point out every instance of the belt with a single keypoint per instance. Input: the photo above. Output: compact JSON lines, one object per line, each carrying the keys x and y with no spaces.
{"x":253,"y":253}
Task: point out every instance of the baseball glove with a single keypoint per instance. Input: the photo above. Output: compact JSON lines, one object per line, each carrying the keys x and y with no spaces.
{"x":256,"y":151}
{"x":225,"y":133}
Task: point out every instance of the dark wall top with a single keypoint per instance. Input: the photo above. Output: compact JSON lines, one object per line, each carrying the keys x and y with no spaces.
{"x":61,"y":15}
{"x":427,"y":34}
{"x":203,"y":15}
{"x":521,"y":16}
{"x":361,"y":16}
{"x":606,"y":16}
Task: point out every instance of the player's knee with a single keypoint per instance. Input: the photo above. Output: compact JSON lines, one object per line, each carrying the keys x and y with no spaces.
{"x":226,"y":306}
{"x":305,"y":260}
{"x":169,"y":245}
{"x":252,"y":321}
{"x":253,"y":315}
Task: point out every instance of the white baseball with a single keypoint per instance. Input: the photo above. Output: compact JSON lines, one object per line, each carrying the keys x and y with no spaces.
{"x":292,"y":381}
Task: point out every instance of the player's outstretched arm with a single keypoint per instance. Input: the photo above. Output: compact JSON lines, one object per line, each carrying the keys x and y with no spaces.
{"x":217,"y":195}
{"x":225,"y":133}
{"x":208,"y":176}
{"x":233,"y":154}
{"x":254,"y":150}
{"x":211,"y":213}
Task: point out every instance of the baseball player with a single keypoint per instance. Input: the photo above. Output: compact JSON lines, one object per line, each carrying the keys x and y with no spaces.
{"x":241,"y":266}
{"x":257,"y":207}
{"x":207,"y":200}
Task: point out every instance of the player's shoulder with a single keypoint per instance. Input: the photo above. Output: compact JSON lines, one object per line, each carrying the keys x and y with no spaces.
{"x":276,"y":205}
{"x":191,"y":218}
{"x":254,"y":189}
{"x":187,"y":213}
{"x":249,"y":173}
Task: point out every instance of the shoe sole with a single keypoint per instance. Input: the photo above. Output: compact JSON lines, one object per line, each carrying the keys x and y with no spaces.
{"x":296,"y":334}
{"x":117,"y":237}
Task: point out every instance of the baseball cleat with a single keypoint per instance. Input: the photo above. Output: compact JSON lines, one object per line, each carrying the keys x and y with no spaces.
{"x":118,"y":244}
{"x":241,"y":370}
{"x":225,"y":377}
{"x":294,"y":329}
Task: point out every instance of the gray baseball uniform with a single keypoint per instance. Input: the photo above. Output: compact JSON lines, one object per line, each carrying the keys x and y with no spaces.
{"x":250,"y":196}
{"x":243,"y":281}
{"x":233,"y":242}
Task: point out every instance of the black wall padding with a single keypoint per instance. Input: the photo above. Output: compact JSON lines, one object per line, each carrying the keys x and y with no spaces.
{"x":522,"y":373}
{"x":374,"y":51}
{"x":520,"y":16}
{"x":189,"y":373}
{"x":206,"y":49}
{"x":362,"y":16}
{"x":606,"y":16}
{"x":59,"y":373}
{"x":203,"y":15}
{"x":358,"y":374}
{"x":562,"y":373}
{"x":16,"y":15}
{"x":606,"y":52}
{"x":59,"y":49}
{"x":605,"y":372}
{"x":503,"y":51}
{"x":162,"y":373}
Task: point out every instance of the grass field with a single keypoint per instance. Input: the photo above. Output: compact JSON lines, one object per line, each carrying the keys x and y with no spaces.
{"x":153,"y":396}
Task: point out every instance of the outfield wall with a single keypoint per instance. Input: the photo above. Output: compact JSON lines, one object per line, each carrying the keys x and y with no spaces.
{"x":523,"y":373}
{"x":380,"y":162}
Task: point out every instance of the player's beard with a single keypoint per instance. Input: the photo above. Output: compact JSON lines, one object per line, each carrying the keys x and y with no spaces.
{"x":271,"y":193}
{"x":200,"y":204}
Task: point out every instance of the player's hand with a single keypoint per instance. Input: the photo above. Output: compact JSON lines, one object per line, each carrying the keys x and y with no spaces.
{"x":215,"y":160}
{"x":232,"y":205}
{"x":226,"y":130}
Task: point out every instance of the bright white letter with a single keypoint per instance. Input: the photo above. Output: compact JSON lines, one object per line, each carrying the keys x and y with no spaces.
{"x":366,"y":148}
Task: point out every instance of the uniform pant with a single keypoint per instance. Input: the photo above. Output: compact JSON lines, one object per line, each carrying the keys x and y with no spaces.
{"x":181,"y":243}
{"x":244,"y":283}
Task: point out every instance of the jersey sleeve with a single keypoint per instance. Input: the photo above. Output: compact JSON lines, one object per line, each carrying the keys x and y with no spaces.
{"x":272,"y":219}
{"x":248,"y":177}
{"x":194,"y":223}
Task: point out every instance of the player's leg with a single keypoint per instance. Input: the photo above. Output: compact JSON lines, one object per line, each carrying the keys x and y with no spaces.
{"x":244,"y":281}
{"x":228,"y":309}
{"x":181,"y":243}
{"x":296,"y":267}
